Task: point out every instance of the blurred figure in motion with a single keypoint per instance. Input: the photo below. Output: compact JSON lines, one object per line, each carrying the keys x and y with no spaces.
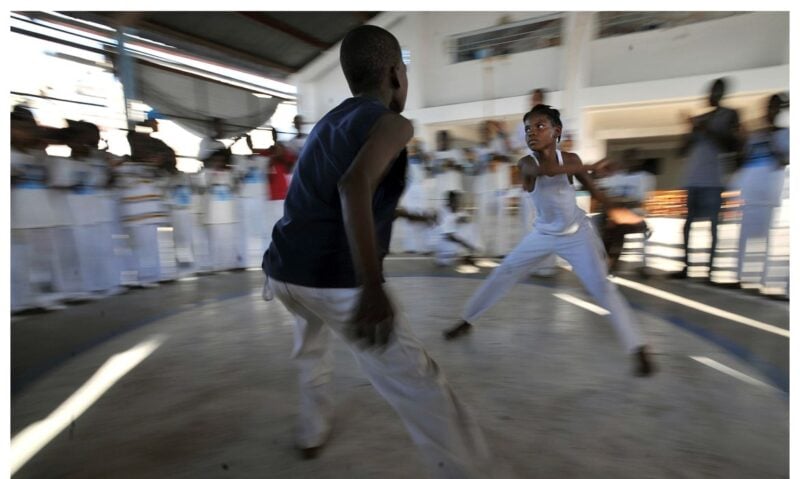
{"x":493,"y":189}
{"x":92,"y":212}
{"x":448,"y":163}
{"x":142,"y":207}
{"x":563,"y":228}
{"x":325,"y":265}
{"x":761,"y":183}
{"x":221,"y":217}
{"x":251,"y":173}
{"x":713,"y":134}
{"x":280,"y":161}
{"x":623,"y":187}
{"x":455,"y":244}
{"x":416,"y":200}
{"x":34,"y":269}
{"x":299,"y":139}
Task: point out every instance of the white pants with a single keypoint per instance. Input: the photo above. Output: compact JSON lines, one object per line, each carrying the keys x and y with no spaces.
{"x":493,"y":222}
{"x":200,"y":247}
{"x":223,"y":246}
{"x":22,"y":291}
{"x":754,"y":243}
{"x":144,"y":245}
{"x":584,"y":251}
{"x":445,"y":432}
{"x":761,"y":188}
{"x":527,"y":214}
{"x":96,"y":255}
{"x":183,"y":233}
{"x":253,"y":228}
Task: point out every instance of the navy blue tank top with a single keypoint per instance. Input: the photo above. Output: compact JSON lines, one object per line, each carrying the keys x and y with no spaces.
{"x":309,"y":244}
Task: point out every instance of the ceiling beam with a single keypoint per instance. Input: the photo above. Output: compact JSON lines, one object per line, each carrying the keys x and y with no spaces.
{"x":364,"y":16}
{"x":142,"y":23}
{"x":149,"y":25}
{"x":296,"y":33}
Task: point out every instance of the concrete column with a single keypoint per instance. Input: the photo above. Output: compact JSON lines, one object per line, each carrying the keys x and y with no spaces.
{"x":126,"y":74}
{"x":579,"y":31}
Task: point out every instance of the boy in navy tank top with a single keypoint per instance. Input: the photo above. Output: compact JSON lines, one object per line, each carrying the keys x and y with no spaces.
{"x":561,"y":227}
{"x":325,"y":265}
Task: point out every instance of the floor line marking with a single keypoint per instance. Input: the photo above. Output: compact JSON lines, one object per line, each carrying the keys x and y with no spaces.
{"x":721,"y":313}
{"x":28,"y":442}
{"x":730,"y":371}
{"x":581,"y":303}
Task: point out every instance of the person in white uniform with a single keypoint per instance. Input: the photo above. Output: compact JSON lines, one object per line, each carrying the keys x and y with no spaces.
{"x":492,"y":190}
{"x":92,"y":213}
{"x":63,"y":176}
{"x":761,"y":183}
{"x":221,"y":217}
{"x":562,"y":228}
{"x":415,"y":199}
{"x":252,"y":173}
{"x":454,"y":243}
{"x":142,"y":211}
{"x":448,"y":165}
{"x":33,"y":264}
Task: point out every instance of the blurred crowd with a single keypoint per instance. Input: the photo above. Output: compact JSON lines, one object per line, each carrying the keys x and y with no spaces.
{"x":93,"y":224}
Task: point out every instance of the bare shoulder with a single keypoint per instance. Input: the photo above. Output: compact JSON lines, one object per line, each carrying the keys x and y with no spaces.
{"x":392,"y":125}
{"x":571,"y":158}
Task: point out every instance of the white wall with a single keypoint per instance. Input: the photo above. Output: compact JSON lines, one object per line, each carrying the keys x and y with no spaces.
{"x":447,"y":83}
{"x":673,"y":65}
{"x":740,"y":42}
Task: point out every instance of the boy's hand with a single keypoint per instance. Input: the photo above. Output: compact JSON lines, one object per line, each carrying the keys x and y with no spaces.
{"x":373,"y":322}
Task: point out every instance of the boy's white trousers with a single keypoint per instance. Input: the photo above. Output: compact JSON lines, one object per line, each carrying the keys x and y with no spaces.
{"x":449,"y":439}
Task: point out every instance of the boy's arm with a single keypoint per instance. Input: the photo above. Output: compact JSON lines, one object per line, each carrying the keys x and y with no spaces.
{"x":374,"y":314}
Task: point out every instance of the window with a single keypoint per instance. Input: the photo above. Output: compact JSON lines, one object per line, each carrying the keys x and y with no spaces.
{"x":508,"y":39}
{"x":612,"y":24}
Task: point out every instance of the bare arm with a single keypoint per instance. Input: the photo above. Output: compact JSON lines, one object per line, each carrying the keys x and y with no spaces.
{"x":573,"y":160}
{"x":529,"y":171}
{"x":373,"y":321}
{"x":404,"y":213}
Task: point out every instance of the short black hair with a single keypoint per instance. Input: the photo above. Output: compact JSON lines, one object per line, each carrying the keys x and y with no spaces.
{"x":366,"y":54}
{"x":546,"y":110}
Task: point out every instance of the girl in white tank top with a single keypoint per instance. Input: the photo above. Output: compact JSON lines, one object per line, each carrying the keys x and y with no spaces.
{"x":557,"y":212}
{"x":560,"y":228}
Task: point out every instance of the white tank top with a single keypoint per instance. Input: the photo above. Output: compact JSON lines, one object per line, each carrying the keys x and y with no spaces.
{"x":557,"y":212}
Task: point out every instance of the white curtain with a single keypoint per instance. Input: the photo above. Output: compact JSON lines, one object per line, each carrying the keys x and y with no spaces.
{"x":192,"y":102}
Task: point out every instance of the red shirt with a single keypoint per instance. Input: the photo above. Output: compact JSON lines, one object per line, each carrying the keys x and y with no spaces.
{"x":280,"y":165}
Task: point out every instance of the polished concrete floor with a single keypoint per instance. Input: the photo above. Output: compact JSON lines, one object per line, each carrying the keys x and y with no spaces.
{"x":213,"y":394}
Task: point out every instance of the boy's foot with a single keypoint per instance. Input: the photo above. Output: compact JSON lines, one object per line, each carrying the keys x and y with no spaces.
{"x":460,"y":329}
{"x":643,"y":364}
